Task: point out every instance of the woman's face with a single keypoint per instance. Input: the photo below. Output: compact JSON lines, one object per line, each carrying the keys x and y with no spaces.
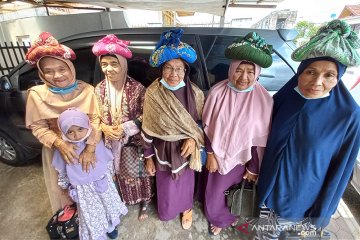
{"x":111,"y":68}
{"x":318,"y":79}
{"x":76,"y":133}
{"x":244,"y":76}
{"x":56,"y":72}
{"x":173,"y":72}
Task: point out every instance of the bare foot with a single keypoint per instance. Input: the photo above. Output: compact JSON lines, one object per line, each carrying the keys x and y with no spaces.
{"x":215,"y":230}
{"x":143,"y":214}
{"x":235,"y":223}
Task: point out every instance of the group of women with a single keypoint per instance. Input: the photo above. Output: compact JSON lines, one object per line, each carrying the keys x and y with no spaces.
{"x":300,"y":145}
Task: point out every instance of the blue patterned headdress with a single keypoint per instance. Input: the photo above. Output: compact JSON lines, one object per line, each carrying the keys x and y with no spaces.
{"x":170,"y":47}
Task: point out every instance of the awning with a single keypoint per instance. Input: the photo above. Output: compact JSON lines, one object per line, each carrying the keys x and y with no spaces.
{"x":215,"y":7}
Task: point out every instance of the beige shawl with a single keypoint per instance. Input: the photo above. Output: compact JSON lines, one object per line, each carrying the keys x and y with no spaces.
{"x":166,"y":118}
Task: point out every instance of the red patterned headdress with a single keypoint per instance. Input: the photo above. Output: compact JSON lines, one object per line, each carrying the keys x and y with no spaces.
{"x":47,"y":45}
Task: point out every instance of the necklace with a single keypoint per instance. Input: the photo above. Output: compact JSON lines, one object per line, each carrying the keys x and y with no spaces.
{"x":114,"y":96}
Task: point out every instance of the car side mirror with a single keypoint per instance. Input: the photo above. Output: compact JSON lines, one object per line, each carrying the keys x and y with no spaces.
{"x":5,"y":84}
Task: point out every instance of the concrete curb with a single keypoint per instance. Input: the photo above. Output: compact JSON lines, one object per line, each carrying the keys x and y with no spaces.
{"x":343,"y":225}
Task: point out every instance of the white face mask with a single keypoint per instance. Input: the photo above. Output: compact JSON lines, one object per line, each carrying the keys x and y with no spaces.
{"x":298,"y":91}
{"x":231,"y":85}
{"x":166,"y":85}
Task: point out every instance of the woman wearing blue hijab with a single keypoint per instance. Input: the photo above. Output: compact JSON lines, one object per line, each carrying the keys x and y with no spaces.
{"x":315,"y":136}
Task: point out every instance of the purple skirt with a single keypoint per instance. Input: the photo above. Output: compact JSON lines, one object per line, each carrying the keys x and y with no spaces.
{"x":215,"y":208}
{"x":174,"y":196}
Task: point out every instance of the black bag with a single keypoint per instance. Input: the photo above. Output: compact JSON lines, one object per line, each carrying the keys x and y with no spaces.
{"x":67,"y":228}
{"x":242,"y":199}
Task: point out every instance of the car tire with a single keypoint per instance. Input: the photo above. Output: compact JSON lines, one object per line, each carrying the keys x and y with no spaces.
{"x":10,"y":152}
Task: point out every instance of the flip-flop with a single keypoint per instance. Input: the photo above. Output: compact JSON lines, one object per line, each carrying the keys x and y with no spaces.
{"x":144,"y":211}
{"x":186,"y":220}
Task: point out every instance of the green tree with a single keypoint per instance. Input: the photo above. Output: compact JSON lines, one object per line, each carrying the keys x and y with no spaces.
{"x":306,"y":30}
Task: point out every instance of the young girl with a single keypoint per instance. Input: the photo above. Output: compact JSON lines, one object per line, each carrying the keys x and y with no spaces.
{"x":99,"y":204}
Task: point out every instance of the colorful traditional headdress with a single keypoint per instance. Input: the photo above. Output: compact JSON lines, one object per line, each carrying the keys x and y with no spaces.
{"x":110,"y":44}
{"x":170,"y":47}
{"x":252,"y":48}
{"x":47,"y":45}
{"x":335,"y":40}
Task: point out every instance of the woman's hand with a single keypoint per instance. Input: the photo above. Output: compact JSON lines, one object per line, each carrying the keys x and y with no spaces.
{"x":67,"y":150}
{"x":250,"y":177}
{"x":112,"y":132}
{"x":211,"y":163}
{"x":150,"y":166}
{"x":188,"y":147}
{"x":87,"y":158}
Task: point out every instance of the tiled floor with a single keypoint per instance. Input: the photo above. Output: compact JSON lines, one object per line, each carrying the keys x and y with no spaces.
{"x":343,"y":225}
{"x":24,"y":212}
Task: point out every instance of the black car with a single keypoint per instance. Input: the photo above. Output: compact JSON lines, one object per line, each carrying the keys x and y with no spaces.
{"x":18,"y":145}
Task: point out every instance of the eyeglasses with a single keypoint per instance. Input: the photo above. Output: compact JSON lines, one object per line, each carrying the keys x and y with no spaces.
{"x":178,"y":70}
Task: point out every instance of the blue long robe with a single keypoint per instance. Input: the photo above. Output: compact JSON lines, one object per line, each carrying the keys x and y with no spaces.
{"x":311,"y":152}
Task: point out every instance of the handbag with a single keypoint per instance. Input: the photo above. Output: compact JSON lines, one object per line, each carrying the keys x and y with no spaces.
{"x":64,"y":224}
{"x":132,"y":161}
{"x":242,"y":199}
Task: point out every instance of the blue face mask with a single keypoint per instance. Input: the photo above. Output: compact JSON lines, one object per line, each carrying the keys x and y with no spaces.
{"x":166,"y":85}
{"x":298,"y":91}
{"x":231,"y":85}
{"x":64,"y":90}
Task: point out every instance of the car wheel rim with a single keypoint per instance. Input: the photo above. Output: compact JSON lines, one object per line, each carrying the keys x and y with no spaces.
{"x":7,"y":152}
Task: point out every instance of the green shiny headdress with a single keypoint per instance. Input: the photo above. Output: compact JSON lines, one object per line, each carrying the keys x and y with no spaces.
{"x":336,"y":40}
{"x":252,"y":48}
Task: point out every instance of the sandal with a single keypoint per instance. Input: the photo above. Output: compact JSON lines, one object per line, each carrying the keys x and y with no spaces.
{"x":144,"y":209}
{"x":186,"y":220}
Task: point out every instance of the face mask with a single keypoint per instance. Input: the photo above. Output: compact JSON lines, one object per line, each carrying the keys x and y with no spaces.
{"x":166,"y":85}
{"x":64,"y":90}
{"x":231,"y":85}
{"x":298,"y":91}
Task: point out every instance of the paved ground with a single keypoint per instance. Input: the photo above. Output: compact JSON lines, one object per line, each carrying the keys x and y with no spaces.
{"x":352,"y":200}
{"x":24,"y":212}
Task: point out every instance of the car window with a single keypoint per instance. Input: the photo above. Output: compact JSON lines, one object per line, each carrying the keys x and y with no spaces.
{"x":272,"y":78}
{"x":28,"y":77}
{"x":275,"y":76}
{"x":85,"y":64}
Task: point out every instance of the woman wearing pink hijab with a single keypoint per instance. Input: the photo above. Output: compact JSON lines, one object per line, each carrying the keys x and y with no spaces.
{"x":236,"y":119}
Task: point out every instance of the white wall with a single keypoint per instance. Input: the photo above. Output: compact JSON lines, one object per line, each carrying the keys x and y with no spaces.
{"x":61,"y":26}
